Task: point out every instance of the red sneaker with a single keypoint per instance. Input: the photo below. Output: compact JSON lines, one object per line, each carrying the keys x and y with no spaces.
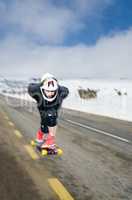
{"x":39,"y":136}
{"x":50,"y":141}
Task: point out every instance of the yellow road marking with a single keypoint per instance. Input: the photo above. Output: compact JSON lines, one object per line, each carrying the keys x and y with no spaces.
{"x":59,"y":189}
{"x":31,"y":152}
{"x":10,"y":123}
{"x":6,"y":117}
{"x":18,"y":133}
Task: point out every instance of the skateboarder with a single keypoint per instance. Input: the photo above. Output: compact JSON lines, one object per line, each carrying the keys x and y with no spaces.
{"x":49,"y":96}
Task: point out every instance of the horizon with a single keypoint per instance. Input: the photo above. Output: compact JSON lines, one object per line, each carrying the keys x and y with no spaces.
{"x":16,"y":78}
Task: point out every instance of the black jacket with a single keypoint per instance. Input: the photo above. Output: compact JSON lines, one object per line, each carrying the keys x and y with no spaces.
{"x":43,"y":105}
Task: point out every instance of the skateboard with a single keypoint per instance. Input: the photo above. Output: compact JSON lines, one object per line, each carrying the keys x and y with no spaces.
{"x":47,"y":150}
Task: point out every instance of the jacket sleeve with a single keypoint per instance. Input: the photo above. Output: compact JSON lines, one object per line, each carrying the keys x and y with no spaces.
{"x":64,"y":91}
{"x":34,"y":91}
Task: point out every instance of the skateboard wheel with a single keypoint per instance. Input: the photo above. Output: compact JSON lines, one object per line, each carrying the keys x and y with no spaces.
{"x":44,"y":152}
{"x":32,"y":142}
{"x":59,"y":152}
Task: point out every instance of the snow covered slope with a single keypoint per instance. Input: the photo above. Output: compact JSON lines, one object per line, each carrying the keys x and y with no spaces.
{"x":108,"y":102}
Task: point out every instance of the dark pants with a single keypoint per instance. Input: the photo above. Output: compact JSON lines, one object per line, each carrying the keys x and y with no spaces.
{"x":50,"y":121}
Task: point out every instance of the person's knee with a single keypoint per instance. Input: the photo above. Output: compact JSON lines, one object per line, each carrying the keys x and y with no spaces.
{"x":44,"y":129}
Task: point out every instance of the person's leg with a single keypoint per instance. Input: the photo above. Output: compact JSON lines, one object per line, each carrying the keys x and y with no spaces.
{"x":39,"y":137}
{"x":52,"y":130}
{"x":42,"y":132}
{"x":47,"y":132}
{"x":52,"y":125}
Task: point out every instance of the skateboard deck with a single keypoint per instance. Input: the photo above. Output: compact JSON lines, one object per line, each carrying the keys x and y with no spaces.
{"x":47,"y":150}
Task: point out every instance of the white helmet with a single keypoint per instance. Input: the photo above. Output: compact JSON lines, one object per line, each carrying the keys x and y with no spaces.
{"x":49,"y":83}
{"x":45,"y":76}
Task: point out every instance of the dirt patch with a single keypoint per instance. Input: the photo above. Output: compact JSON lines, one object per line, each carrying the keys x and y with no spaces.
{"x":15,"y":183}
{"x":21,"y":178}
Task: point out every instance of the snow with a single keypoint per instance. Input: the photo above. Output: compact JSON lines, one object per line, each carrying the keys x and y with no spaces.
{"x":108,"y":102}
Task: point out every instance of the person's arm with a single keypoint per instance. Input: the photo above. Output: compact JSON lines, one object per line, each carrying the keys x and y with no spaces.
{"x":64,"y":91}
{"x":34,"y":90}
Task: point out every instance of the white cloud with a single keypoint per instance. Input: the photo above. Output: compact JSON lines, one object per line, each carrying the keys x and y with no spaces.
{"x":40,"y":18}
{"x":20,"y":55}
{"x":43,"y":19}
{"x":110,"y":57}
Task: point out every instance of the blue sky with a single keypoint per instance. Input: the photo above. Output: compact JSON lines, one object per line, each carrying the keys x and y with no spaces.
{"x":47,"y":28}
{"x":116,"y":17}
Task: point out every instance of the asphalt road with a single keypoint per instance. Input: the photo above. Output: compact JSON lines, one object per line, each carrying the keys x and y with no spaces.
{"x":97,"y":159}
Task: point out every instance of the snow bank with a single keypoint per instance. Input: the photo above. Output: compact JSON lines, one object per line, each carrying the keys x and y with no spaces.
{"x":108,"y":102}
